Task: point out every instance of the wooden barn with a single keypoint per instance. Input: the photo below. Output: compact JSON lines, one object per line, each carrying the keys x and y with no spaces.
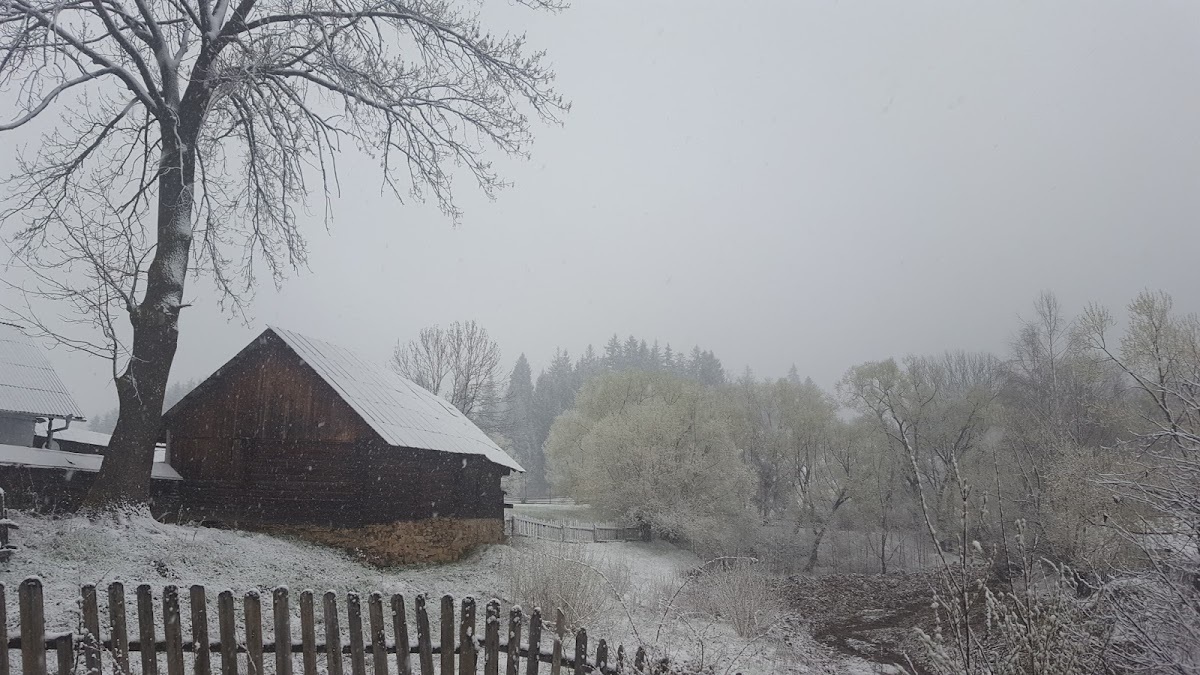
{"x":300,"y":436}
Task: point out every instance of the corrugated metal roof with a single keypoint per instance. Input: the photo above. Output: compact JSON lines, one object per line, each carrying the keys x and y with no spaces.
{"x":40,"y":458}
{"x":402,"y":413}
{"x":28,"y":383}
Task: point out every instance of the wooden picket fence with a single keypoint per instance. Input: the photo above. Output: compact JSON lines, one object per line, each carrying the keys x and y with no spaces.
{"x":519,"y":526}
{"x":85,"y":653}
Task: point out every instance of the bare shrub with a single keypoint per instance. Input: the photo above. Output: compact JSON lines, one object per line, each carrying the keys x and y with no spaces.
{"x":619,"y":575}
{"x":740,"y":592}
{"x":559,"y":577}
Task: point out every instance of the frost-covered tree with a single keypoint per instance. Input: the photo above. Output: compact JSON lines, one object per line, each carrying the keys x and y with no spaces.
{"x":187,"y":134}
{"x":653,"y":449}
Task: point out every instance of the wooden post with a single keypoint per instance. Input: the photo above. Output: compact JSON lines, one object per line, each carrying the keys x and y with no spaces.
{"x":65,"y":645}
{"x":198,"y":603}
{"x":333,"y":636}
{"x":602,"y":655}
{"x":556,"y":651}
{"x":424,"y":640}
{"x":283,"y":630}
{"x":4,"y":517}
{"x":620,"y":658}
{"x":254,"y":637}
{"x":91,"y":629}
{"x":378,"y":633}
{"x":308,"y":632}
{"x":447,"y":620}
{"x":400,"y":628}
{"x":639,"y":660}
{"x":116,"y":627}
{"x":595,"y":533}
{"x":358,"y":661}
{"x":535,"y":642}
{"x":580,"y":652}
{"x":227,"y":629}
{"x":466,"y":637}
{"x":33,"y":627}
{"x":4,"y":631}
{"x":172,"y":630}
{"x":513,"y":663}
{"x":145,"y":611}
{"x":491,"y":641}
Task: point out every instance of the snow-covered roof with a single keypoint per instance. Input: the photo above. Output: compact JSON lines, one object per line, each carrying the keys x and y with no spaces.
{"x":39,"y":458}
{"x":75,"y":434}
{"x":28,"y":383}
{"x":401,"y":412}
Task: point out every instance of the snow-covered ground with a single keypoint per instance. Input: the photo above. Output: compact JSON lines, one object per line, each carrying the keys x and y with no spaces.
{"x":68,"y":552}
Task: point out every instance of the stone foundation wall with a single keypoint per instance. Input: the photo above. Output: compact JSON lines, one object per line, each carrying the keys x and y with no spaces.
{"x":421,"y":541}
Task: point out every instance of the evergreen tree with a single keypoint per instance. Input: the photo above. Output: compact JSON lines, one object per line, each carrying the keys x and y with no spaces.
{"x":519,"y":423}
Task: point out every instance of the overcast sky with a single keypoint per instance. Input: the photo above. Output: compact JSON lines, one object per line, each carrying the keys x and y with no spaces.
{"x":818,"y":183}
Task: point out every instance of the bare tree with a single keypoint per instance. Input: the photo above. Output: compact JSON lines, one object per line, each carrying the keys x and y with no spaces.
{"x":213,"y":120}
{"x":460,"y":363}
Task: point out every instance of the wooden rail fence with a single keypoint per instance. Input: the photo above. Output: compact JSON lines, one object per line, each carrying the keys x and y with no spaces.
{"x":86,"y":652}
{"x":519,"y":526}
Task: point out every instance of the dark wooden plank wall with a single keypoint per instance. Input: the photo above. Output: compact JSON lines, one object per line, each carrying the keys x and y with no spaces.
{"x":269,"y":442}
{"x":47,"y":490}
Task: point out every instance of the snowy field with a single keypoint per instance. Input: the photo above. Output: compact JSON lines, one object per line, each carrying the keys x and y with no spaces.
{"x":644,"y":576}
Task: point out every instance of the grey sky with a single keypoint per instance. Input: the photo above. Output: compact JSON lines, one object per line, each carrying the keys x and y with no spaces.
{"x":812,"y":182}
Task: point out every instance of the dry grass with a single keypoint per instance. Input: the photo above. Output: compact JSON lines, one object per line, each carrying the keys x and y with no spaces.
{"x":739,"y":592}
{"x":565,"y":577}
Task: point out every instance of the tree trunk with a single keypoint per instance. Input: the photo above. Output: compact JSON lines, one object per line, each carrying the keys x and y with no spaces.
{"x":124,"y":478}
{"x":818,"y":535}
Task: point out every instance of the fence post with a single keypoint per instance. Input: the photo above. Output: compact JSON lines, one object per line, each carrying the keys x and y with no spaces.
{"x":333,"y":635}
{"x":466,"y":637}
{"x":33,"y":627}
{"x":254,"y":639}
{"x":378,"y":633}
{"x":65,"y":645}
{"x":560,"y":629}
{"x":639,"y":660}
{"x":535,"y":641}
{"x":198,"y":603}
{"x":424,"y":640}
{"x":145,"y":610}
{"x":227,"y":629}
{"x":512,"y":664}
{"x":308,"y":632}
{"x":447,"y":619}
{"x":283,"y":631}
{"x":595,"y":533}
{"x":358,"y":661}
{"x":91,"y":627}
{"x":400,"y":628}
{"x":172,"y":631}
{"x":581,"y":652}
{"x":491,"y":644}
{"x":602,"y":655}
{"x":116,"y":627}
{"x":620,"y":658}
{"x":6,"y":548}
{"x":4,"y":630}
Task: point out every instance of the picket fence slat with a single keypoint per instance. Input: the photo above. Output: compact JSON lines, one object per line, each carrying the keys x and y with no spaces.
{"x":308,"y":632}
{"x":227,"y":630}
{"x":400,"y":628}
{"x":358,"y":660}
{"x":424,"y":640}
{"x":172,"y":630}
{"x":378,"y":633}
{"x":252,"y":608}
{"x":198,"y":604}
{"x":447,"y":641}
{"x":162,"y":649}
{"x":333,"y":635}
{"x":466,"y":637}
